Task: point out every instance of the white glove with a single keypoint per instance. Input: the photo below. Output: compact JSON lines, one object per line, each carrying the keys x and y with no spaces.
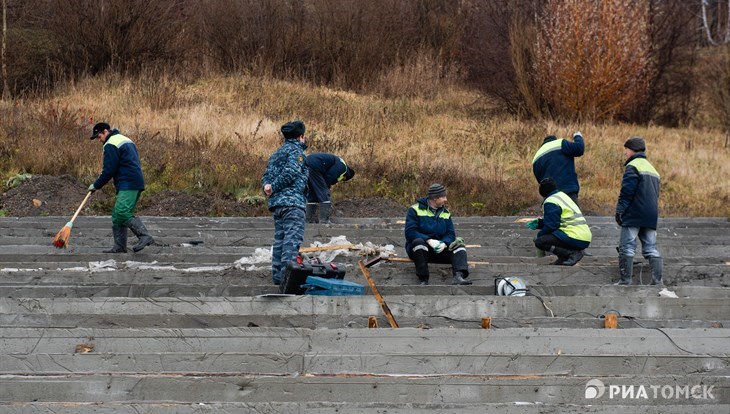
{"x":437,"y":245}
{"x":577,"y":133}
{"x":440,"y":248}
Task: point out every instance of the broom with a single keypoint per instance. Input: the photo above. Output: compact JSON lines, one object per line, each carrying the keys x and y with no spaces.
{"x":61,"y":239}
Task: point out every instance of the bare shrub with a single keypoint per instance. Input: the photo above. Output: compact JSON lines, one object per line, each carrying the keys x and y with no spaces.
{"x":592,"y":58}
{"x":120,"y":35}
{"x":716,"y":81}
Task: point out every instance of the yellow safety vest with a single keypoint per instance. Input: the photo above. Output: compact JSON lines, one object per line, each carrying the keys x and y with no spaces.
{"x":572,"y":222}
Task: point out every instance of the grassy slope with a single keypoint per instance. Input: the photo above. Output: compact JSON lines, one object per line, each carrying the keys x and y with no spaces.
{"x":215,"y":134}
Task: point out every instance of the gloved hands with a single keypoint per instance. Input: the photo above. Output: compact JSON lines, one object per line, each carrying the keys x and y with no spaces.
{"x":458,"y":242}
{"x":437,"y":245}
{"x":92,"y":188}
{"x":619,"y":221}
{"x":532,"y":224}
{"x":577,"y":133}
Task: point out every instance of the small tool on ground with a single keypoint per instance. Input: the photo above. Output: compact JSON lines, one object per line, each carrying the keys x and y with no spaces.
{"x":61,"y":238}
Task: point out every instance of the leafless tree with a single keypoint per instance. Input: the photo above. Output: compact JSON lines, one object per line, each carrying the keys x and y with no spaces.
{"x":718,"y":19}
{"x":6,"y":90}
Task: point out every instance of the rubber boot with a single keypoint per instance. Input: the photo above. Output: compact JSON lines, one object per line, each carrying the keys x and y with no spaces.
{"x":420,"y":259}
{"x":656,"y":264}
{"x":311,"y":213}
{"x":562,"y":253}
{"x":625,"y":269}
{"x":139,"y":230}
{"x":120,"y":240}
{"x":573,"y":258}
{"x":324,"y":213}
{"x":459,"y":279}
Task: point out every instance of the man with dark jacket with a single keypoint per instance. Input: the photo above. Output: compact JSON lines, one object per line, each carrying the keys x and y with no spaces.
{"x":430,"y":237}
{"x":325,"y":170}
{"x":563,"y":228}
{"x":637,"y":212}
{"x":121,"y":163}
{"x":284,"y":182}
{"x":556,"y":159}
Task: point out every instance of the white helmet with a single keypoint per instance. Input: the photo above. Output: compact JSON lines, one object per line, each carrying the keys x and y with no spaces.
{"x":510,"y":286}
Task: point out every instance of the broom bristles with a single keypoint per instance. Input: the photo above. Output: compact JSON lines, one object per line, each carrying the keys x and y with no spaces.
{"x":61,"y":239}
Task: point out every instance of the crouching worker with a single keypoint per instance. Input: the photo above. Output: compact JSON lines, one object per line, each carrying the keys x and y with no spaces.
{"x":430,"y":237}
{"x":325,"y":170}
{"x":121,"y":163}
{"x":563,"y":229}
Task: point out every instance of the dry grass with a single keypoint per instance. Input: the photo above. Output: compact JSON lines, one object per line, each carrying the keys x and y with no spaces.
{"x":215,"y":134}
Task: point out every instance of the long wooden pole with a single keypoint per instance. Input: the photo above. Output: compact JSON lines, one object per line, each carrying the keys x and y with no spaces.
{"x":380,"y":299}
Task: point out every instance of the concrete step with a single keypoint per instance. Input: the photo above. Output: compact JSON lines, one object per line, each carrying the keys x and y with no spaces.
{"x":520,"y":407}
{"x":544,"y":388}
{"x":460,"y":307}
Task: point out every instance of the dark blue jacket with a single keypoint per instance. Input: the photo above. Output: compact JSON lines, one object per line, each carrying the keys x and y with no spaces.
{"x":287,"y":173}
{"x":638,"y":202}
{"x":424,"y":223}
{"x":329,"y":165}
{"x":555,"y":159}
{"x":121,"y":162}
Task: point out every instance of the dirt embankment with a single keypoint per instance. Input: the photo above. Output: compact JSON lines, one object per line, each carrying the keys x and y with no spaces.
{"x":43,"y":195}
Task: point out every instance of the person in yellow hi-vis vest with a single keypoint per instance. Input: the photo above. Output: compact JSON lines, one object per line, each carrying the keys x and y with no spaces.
{"x":563,"y":229}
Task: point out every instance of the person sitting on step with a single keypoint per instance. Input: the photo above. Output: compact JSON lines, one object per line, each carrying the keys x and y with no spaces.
{"x":430,"y":237}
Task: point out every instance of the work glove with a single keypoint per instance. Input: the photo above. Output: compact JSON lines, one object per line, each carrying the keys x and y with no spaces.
{"x":437,"y":245}
{"x":92,"y":188}
{"x":532,"y":224}
{"x":577,"y":133}
{"x":619,"y":221}
{"x":458,"y":242}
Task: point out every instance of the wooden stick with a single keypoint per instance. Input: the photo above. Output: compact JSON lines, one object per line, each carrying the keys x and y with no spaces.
{"x":404,"y":259}
{"x":78,"y":210}
{"x":323,"y":248}
{"x":380,"y":299}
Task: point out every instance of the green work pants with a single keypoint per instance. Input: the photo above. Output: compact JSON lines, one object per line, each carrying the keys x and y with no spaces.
{"x":124,"y":206}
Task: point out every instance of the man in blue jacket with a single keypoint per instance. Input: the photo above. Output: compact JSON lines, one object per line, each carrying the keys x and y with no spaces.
{"x":556,"y":159}
{"x":430,"y":237}
{"x":284,"y":182}
{"x":563,"y":229}
{"x":325,"y":170}
{"x":121,"y":163}
{"x":637,"y":212}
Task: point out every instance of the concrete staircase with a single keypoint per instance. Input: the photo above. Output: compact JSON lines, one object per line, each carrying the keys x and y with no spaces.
{"x":182,"y":327}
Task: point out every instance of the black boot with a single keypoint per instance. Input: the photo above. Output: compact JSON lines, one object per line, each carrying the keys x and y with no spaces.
{"x":324,"y":213}
{"x":562,"y":253}
{"x":625,"y":269}
{"x":120,"y":240}
{"x":656,"y":264}
{"x":459,"y":279}
{"x":139,"y":230}
{"x":311,"y":213}
{"x":573,"y":258}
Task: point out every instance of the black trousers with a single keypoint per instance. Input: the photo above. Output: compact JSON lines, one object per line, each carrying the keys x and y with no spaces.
{"x":422,"y":254}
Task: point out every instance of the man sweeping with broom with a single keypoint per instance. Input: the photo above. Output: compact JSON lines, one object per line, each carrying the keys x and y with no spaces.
{"x":121,"y":162}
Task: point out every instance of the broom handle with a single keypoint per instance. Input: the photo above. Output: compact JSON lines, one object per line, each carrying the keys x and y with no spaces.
{"x":81,"y":206}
